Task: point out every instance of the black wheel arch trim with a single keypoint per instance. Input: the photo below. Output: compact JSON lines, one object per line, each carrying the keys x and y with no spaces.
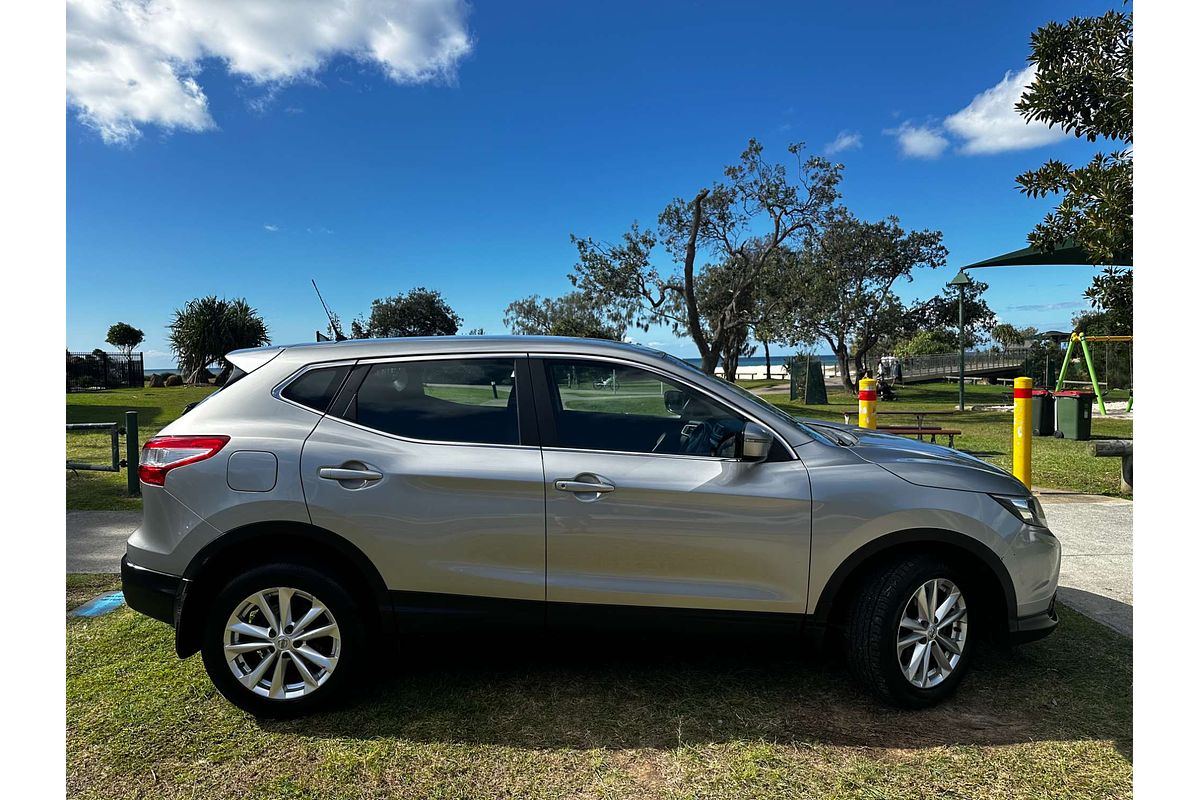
{"x":187,"y":632}
{"x":824,"y":608}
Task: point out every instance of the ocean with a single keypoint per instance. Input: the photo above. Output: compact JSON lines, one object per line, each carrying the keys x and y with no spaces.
{"x":776,"y":360}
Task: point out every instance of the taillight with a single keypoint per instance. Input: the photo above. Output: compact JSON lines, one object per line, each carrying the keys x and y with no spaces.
{"x":162,"y":454}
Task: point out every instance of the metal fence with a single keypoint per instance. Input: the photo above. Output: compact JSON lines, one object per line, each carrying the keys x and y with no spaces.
{"x":100,"y":370}
{"x":113,"y":432}
{"x":946,"y":364}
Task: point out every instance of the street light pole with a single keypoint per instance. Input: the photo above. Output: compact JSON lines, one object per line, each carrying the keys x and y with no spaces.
{"x":961,"y":280}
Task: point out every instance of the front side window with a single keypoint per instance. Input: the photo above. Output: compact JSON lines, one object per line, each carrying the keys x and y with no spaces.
{"x":455,"y":400}
{"x":603,"y":406}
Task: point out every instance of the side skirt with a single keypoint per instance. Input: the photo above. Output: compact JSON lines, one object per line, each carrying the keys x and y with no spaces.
{"x":432,"y":612}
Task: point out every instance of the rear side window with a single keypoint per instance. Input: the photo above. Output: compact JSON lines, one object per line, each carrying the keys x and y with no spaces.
{"x":315,"y":389}
{"x":460,"y":400}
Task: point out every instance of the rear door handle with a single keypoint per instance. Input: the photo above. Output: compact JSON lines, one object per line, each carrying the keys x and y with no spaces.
{"x":343,"y":474}
{"x":583,"y":487}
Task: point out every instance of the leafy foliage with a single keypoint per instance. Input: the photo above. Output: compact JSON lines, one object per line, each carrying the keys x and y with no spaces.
{"x":124,"y":337}
{"x":843,"y":291}
{"x":1084,"y":83}
{"x":207,"y":328}
{"x":420,"y":312}
{"x":742,"y":223}
{"x":573,"y":314}
{"x":1112,"y":293}
{"x":1007,"y":335}
{"x":924,"y":343}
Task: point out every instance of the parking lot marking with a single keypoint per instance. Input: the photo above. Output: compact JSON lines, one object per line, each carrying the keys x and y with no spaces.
{"x":99,"y":605}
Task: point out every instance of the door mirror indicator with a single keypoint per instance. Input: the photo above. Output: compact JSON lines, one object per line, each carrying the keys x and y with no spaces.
{"x":754,"y":442}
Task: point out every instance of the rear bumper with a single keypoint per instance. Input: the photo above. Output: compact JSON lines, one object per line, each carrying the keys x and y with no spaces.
{"x":1036,"y":626}
{"x":151,"y":593}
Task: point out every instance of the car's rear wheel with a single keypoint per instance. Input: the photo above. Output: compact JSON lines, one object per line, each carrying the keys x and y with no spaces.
{"x":907,"y":637}
{"x":282,"y":640}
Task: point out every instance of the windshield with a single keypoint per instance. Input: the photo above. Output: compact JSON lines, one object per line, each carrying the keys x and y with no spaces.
{"x":770,"y":408}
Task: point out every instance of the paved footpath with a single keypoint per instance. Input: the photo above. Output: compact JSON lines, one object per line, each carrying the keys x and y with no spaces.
{"x":96,"y":539}
{"x":1097,"y":562}
{"x":1096,"y":534}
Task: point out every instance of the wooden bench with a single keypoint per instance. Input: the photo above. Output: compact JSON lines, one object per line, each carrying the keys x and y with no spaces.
{"x":1116,"y":448}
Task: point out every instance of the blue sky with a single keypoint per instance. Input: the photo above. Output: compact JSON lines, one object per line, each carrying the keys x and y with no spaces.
{"x":464,"y":162}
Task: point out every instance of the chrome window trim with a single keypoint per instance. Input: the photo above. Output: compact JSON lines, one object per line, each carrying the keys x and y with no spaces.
{"x":678,"y":379}
{"x":277,"y":392}
{"x":546,"y":354}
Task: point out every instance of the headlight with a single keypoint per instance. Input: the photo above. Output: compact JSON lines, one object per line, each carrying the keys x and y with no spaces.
{"x":1026,"y":509}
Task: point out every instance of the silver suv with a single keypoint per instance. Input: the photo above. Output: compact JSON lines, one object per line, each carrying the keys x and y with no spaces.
{"x":332,"y":497}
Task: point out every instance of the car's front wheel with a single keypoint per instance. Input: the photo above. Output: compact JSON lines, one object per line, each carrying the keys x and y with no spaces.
{"x":282,"y":640}
{"x":907,"y":637}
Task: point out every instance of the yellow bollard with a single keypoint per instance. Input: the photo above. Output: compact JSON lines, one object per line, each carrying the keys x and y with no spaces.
{"x":866,"y":403}
{"x":1023,"y":431}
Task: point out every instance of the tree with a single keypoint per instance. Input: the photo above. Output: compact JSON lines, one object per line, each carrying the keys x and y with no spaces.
{"x":421,"y":312}
{"x":742,"y":222}
{"x":124,"y":337}
{"x":1084,"y":83}
{"x":843,"y":289}
{"x":207,"y":328}
{"x":924,"y":343}
{"x":1007,"y":335}
{"x":573,"y":314}
{"x":1112,"y":293}
{"x":941,"y":313}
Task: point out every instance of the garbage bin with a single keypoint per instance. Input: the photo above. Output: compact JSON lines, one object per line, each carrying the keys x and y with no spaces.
{"x":1043,"y":413}
{"x":1073,"y":410}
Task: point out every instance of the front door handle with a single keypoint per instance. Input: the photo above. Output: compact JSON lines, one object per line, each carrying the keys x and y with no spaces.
{"x":344,"y":474}
{"x":587,"y":487}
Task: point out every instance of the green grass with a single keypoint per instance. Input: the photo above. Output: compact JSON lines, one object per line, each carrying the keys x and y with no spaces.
{"x":105,"y":491}
{"x":603,"y":718}
{"x":1057,"y":463}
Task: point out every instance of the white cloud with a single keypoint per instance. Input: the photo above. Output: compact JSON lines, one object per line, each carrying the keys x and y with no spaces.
{"x":919,"y":141}
{"x":991,"y":124}
{"x":270,"y":228}
{"x":844,"y":141}
{"x":132,"y":63}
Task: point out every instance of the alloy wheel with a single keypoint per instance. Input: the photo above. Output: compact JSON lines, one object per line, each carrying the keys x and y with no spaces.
{"x":282,"y":643}
{"x":932,"y":633}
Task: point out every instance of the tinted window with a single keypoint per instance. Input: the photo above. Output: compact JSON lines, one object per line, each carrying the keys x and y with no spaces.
{"x":316,"y":387}
{"x":463,"y":400}
{"x":600,"y":406}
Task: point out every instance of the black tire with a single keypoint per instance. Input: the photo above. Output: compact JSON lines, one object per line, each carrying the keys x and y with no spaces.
{"x":351,"y":656}
{"x":871,"y":632}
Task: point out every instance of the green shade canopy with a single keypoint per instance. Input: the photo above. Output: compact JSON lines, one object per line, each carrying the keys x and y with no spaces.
{"x":1067,"y":253}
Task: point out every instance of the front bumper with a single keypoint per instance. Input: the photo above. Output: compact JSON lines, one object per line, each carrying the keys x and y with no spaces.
{"x":151,"y":593}
{"x":1035,"y":626}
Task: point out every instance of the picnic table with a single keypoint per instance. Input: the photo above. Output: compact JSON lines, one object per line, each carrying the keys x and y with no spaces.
{"x":920,"y":430}
{"x":920,"y":415}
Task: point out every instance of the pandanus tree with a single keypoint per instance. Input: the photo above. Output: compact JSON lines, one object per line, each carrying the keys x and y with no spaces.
{"x":207,"y":328}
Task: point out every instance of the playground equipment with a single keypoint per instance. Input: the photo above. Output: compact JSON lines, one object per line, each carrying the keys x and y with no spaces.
{"x":1083,"y":340}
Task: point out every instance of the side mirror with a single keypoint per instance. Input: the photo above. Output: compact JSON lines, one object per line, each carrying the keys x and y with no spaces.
{"x":675,"y":401}
{"x":754,"y":442}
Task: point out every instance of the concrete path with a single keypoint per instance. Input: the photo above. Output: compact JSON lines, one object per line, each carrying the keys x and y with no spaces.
{"x":1096,"y":534}
{"x":1097,"y":562}
{"x":96,"y":539}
